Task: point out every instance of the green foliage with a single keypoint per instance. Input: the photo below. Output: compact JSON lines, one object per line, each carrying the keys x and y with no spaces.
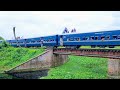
{"x":4,"y":44}
{"x":79,"y":67}
{"x":89,"y":47}
{"x":1,"y":38}
{"x":11,"y":57}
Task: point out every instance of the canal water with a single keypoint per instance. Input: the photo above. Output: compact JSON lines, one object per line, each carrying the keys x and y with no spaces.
{"x":26,"y":75}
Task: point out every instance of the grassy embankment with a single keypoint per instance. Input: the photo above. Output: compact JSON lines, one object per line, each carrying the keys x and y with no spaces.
{"x":11,"y":57}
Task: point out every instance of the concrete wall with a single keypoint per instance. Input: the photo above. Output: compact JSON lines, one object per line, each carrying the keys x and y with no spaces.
{"x":41,"y":62}
{"x":114,"y":68}
{"x":58,"y":59}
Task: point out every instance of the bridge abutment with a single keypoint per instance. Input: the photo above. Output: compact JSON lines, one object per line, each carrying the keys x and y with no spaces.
{"x":38,"y":65}
{"x":113,"y":68}
{"x":58,"y":60}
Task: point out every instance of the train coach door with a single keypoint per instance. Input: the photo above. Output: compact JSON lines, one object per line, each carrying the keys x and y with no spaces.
{"x":56,"y":40}
{"x":41,"y":41}
{"x":61,"y":40}
{"x":25,"y":42}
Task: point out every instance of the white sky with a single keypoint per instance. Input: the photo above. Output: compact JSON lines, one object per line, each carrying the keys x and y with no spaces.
{"x":39,"y":23}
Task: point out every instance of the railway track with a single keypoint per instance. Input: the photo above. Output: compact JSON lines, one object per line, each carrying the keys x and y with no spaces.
{"x":104,"y":53}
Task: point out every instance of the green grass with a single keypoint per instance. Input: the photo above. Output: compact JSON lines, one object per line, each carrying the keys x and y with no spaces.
{"x":89,"y":47}
{"x":11,"y":57}
{"x":85,"y":47}
{"x":80,"y":68}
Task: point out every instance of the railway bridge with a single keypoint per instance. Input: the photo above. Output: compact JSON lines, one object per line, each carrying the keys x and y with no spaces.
{"x":56,"y":56}
{"x":113,"y":56}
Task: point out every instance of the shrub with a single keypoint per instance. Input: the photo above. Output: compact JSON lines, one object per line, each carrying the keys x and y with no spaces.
{"x":4,"y":44}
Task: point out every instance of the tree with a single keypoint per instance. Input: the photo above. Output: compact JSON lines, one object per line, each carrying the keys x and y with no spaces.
{"x":1,"y":38}
{"x":3,"y":43}
{"x":15,"y":36}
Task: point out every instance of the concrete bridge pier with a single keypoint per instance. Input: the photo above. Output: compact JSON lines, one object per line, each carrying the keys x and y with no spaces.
{"x":113,"y":68}
{"x":58,"y":59}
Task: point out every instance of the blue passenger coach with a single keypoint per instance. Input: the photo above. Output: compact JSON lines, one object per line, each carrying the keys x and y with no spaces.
{"x":93,"y":39}
{"x":50,"y":40}
{"x":35,"y":42}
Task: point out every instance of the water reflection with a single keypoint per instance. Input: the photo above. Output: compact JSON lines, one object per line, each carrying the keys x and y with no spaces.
{"x":28,"y":74}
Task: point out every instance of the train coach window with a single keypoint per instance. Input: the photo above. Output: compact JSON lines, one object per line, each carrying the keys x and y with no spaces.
{"x":28,"y":42}
{"x":118,"y":37}
{"x":44,"y":40}
{"x":48,"y":40}
{"x":92,"y":38}
{"x":83,"y":38}
{"x":107,"y":37}
{"x":115,"y":37}
{"x":14,"y":42}
{"x":70,"y":39}
{"x":38,"y":41}
{"x":102,"y":37}
{"x":96,"y":37}
{"x":77,"y":39}
{"x":67,"y":39}
{"x":86,"y":38}
{"x":33,"y":41}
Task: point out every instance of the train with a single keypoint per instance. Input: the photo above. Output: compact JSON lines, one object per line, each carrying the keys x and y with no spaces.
{"x":101,"y":39}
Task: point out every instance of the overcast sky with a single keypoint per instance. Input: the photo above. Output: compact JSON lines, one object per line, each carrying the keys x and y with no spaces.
{"x":39,"y":23}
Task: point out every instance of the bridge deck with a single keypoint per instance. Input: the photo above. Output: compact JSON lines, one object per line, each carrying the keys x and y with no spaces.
{"x":104,"y":53}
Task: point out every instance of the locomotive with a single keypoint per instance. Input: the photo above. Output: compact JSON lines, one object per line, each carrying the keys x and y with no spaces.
{"x":101,"y":39}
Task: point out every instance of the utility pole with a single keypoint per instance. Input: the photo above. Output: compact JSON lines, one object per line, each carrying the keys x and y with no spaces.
{"x":15,"y":36}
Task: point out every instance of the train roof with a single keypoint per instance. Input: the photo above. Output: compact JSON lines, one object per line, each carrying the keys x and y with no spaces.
{"x":41,"y":36}
{"x":91,"y":32}
{"x":34,"y":38}
{"x":70,"y":34}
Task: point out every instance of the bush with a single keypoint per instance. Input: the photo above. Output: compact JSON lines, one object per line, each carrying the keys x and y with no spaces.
{"x":0,"y":46}
{"x":1,"y":38}
{"x":4,"y":44}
